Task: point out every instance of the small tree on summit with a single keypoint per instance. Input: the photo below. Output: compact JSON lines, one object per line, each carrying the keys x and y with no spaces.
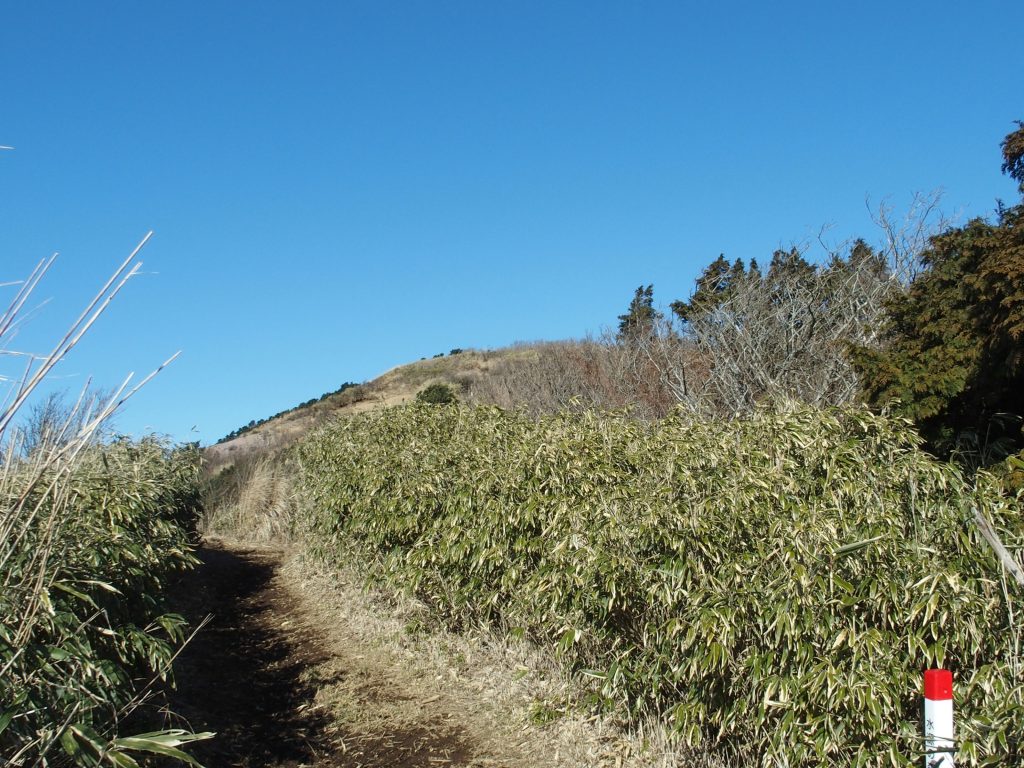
{"x":641,"y":317}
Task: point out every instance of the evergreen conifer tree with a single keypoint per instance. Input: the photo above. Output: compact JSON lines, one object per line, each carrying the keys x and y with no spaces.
{"x":641,"y":316}
{"x":953,"y":352}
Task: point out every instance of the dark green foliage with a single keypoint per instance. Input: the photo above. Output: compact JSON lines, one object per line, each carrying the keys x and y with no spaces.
{"x":641,"y":316}
{"x":437,"y":394}
{"x":456,"y":351}
{"x":789,"y":273}
{"x":715,"y":286}
{"x":1013,"y":156}
{"x":953,"y":351}
{"x":771,"y":585}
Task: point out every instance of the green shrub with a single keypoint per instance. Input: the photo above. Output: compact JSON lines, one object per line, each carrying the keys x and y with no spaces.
{"x":437,"y":394}
{"x":1010,"y":472}
{"x":772,"y":585}
{"x":114,"y":526}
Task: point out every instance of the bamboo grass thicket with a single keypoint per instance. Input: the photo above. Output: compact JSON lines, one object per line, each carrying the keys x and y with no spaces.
{"x":91,"y":532}
{"x":770,"y":586}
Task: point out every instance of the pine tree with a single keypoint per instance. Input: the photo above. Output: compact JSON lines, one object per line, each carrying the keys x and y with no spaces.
{"x":641,"y":317}
{"x":715,"y":286}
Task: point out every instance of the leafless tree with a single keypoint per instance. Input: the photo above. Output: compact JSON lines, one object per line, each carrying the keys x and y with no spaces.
{"x":56,"y":419}
{"x":905,"y":236}
{"x":787,"y":333}
{"x":782,"y":334}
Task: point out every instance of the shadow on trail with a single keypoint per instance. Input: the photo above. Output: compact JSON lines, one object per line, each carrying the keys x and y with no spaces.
{"x":241,"y":676}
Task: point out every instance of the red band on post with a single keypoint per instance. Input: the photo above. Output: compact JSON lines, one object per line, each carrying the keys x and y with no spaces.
{"x":938,"y":684}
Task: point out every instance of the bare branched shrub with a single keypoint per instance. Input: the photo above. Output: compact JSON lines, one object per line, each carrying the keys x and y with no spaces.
{"x":784,"y":334}
{"x":538,"y":378}
{"x":56,"y":420}
{"x":905,"y":236}
{"x":605,"y":373}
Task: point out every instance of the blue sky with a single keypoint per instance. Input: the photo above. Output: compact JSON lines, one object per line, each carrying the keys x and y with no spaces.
{"x":340,"y":187}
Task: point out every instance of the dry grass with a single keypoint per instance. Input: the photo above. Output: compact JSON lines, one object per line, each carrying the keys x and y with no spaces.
{"x":255,"y":496}
{"x":399,"y":385}
{"x":540,"y":377}
{"x":512,"y":693}
{"x":558,"y":376}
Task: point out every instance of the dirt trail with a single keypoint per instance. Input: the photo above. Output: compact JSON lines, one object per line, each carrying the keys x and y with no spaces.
{"x":283,"y":689}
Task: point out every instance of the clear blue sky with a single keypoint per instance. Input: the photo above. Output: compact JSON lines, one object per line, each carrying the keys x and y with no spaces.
{"x":340,"y":187}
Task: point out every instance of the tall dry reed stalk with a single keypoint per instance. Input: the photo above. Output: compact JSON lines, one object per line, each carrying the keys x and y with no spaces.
{"x":253,"y":499}
{"x":44,"y":517}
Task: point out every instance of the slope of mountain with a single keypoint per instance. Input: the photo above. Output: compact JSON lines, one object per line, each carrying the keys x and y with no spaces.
{"x":396,"y":386}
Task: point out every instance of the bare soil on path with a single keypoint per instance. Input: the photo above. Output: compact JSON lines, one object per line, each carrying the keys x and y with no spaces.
{"x":282,"y":688}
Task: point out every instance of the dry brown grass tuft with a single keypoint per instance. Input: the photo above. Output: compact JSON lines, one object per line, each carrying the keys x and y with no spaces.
{"x":254,"y":496}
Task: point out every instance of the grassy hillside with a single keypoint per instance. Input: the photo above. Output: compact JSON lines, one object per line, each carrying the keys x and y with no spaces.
{"x":397,"y":386}
{"x":464,"y":372}
{"x":540,"y":378}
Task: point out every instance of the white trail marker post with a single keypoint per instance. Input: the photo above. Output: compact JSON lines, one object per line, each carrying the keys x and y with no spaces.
{"x":938,"y":719}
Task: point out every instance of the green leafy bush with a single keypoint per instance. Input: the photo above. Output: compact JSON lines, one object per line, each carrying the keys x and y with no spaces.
{"x":82,"y":632}
{"x":771,"y":586}
{"x":437,"y":394}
